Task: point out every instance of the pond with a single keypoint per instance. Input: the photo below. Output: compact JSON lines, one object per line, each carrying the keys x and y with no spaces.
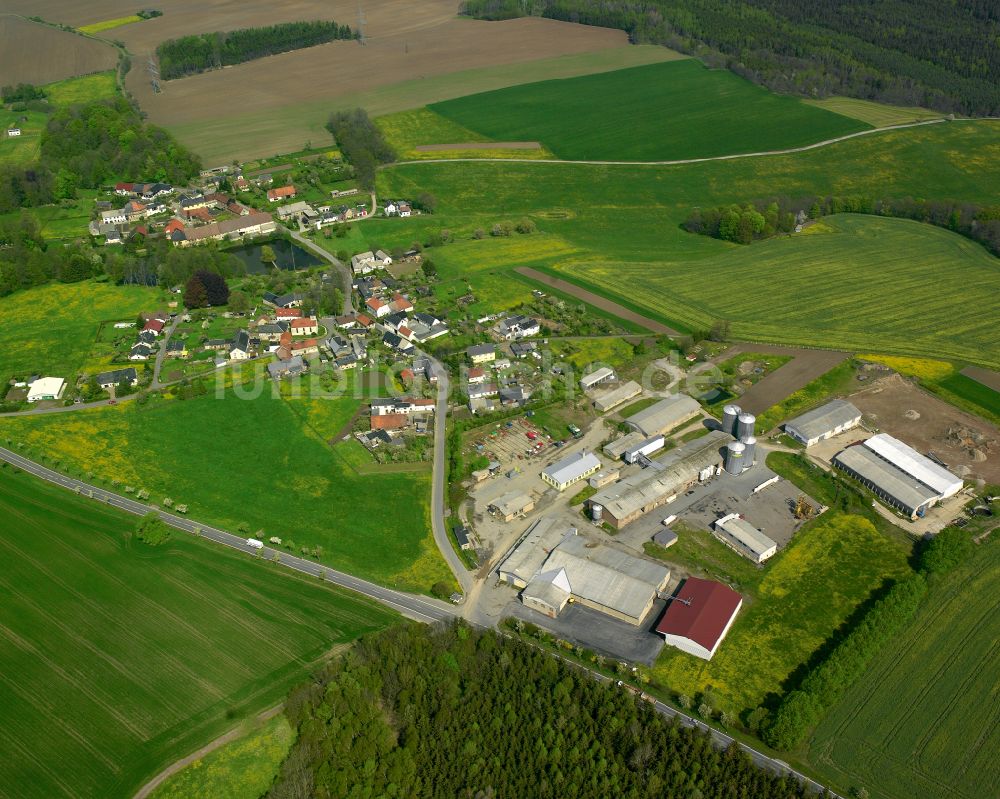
{"x":289,"y":256}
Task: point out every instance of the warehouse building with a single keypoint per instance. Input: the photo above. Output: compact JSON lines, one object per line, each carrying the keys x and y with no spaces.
{"x":889,"y":483}
{"x":604,"y":477}
{"x":615,"y":583}
{"x":604,"y":401}
{"x":738,"y":534}
{"x":595,"y":378}
{"x":823,"y":422}
{"x":699,"y":616}
{"x":527,"y":556}
{"x":46,"y":388}
{"x":511,"y":505}
{"x":578,"y":466}
{"x":618,"y":447}
{"x":664,"y":415}
{"x":638,"y":494}
{"x":644,"y":449}
{"x":918,"y":466}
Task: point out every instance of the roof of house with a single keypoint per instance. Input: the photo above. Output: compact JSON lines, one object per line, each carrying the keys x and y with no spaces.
{"x":572,"y":467}
{"x":511,"y":502}
{"x":117,"y":376}
{"x":389,"y":421}
{"x":304,"y":344}
{"x":481,"y":349}
{"x":287,"y":313}
{"x":153,"y":324}
{"x":281,"y":191}
{"x":703,"y":615}
{"x":477,"y":371}
{"x":303,"y":321}
{"x":823,"y":419}
{"x":363,"y":320}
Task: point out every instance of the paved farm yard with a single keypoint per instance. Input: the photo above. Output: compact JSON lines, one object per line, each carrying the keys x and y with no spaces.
{"x":118,"y":658}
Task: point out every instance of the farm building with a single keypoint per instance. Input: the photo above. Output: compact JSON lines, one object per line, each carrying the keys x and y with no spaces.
{"x":638,"y":494}
{"x":526,"y":557}
{"x":598,"y":376}
{"x":604,"y":477}
{"x":741,"y":536}
{"x":918,"y":466}
{"x":699,"y":616}
{"x":563,"y":473}
{"x":46,"y":388}
{"x":664,"y":415}
{"x":823,"y":422}
{"x":643,"y":449}
{"x":604,"y":401}
{"x":620,"y":585}
{"x":511,"y":505}
{"x":615,"y":449}
{"x":665,"y":538}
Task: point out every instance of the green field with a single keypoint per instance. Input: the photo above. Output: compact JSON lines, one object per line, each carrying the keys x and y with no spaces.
{"x":877,"y":115}
{"x":791,"y":607}
{"x":50,"y":330}
{"x":109,"y":24}
{"x":925,"y":720}
{"x":240,"y":769}
{"x":259,"y":461}
{"x":983,"y":398}
{"x":656,"y":112}
{"x":621,"y":226}
{"x":84,"y":89}
{"x":120,"y":658}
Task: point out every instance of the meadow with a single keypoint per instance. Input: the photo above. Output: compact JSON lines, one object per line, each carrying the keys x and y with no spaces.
{"x":240,"y":769}
{"x":119,"y":658}
{"x":791,"y":606}
{"x":109,"y":24}
{"x":905,"y":283}
{"x":878,"y":115}
{"x":276,"y":473}
{"x":658,"y":112}
{"x":925,"y":721}
{"x":51,"y":329}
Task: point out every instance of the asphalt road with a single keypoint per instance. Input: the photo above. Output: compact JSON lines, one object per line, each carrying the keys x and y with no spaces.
{"x":423,"y":609}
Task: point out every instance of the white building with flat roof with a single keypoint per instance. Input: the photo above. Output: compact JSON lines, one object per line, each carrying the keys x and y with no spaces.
{"x":598,"y":376}
{"x":563,"y":473}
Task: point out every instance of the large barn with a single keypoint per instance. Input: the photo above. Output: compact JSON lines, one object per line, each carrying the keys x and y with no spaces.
{"x":699,"y":616}
{"x":823,"y":422}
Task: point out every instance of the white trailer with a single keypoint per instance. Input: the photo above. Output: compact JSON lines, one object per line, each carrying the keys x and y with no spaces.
{"x":644,"y":449}
{"x":255,"y":543}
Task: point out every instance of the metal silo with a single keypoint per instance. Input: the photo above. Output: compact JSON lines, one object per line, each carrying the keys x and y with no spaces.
{"x":735,"y":457}
{"x":596,"y":512}
{"x":751,"y":451}
{"x":730,"y":415}
{"x":744,"y":426}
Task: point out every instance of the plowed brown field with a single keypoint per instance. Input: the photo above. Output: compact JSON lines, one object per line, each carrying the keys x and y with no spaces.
{"x":33,"y":53}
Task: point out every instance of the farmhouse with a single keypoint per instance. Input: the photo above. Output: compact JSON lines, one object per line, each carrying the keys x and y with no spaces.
{"x":46,"y":388}
{"x":578,"y":466}
{"x":699,"y":616}
{"x":280,"y":193}
{"x":638,"y":494}
{"x":511,"y":505}
{"x":116,"y":377}
{"x":401,"y":405}
{"x":301,"y":208}
{"x":602,"y":375}
{"x":287,"y":314}
{"x":255,"y":224}
{"x":290,"y":368}
{"x":823,"y":422}
{"x":664,"y":415}
{"x":738,"y":534}
{"x":364,"y":263}
{"x":606,"y":400}
{"x":304,"y":326}
{"x":517,"y":327}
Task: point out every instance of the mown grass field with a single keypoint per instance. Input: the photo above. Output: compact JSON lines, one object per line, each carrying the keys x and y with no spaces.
{"x":258,"y":460}
{"x":878,"y":115}
{"x":925,"y":720}
{"x":119,"y":658}
{"x":50,"y":330}
{"x":915,"y":289}
{"x":241,"y":769}
{"x":791,"y":607}
{"x":84,"y":89}
{"x":664,"y":111}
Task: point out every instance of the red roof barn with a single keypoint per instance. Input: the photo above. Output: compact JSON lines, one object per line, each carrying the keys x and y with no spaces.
{"x":699,"y":616}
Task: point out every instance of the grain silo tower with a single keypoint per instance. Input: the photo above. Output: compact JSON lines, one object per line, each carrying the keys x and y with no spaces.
{"x":750,"y":453}
{"x":744,"y":426}
{"x":735,"y":457}
{"x":730,"y":416}
{"x":596,"y":513}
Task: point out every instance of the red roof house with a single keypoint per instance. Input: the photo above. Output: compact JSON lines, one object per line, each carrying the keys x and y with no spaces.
{"x":172,"y":225}
{"x":364,"y":321}
{"x":406,"y":376}
{"x":155,"y":325}
{"x":303,"y":326}
{"x":288,"y":314}
{"x":389,"y":421}
{"x":699,"y":616}
{"x":280,"y":193}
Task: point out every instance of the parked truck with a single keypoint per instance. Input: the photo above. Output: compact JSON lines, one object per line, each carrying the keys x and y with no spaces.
{"x":255,"y":543}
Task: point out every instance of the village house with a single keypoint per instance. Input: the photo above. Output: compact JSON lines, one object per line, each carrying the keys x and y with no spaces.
{"x":287,"y":314}
{"x":307,"y":346}
{"x":517,"y":327}
{"x":176,"y":348}
{"x":304,"y":326}
{"x":481,"y":353}
{"x":291,"y":368}
{"x":240,"y":349}
{"x":281,"y":193}
{"x":154,"y":326}
{"x":255,"y":224}
{"x":378,"y":307}
{"x":401,"y":405}
{"x":140,"y":352}
{"x":396,"y":342}
{"x":476,"y":375}
{"x":116,"y":377}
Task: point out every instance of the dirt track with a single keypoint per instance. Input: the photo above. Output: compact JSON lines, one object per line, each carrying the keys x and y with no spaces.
{"x":597,"y":301}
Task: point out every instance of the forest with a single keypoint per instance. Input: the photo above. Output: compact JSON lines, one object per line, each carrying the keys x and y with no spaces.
{"x":200,"y":52}
{"x":944,"y":56}
{"x":87,"y":146}
{"x":452,"y":712}
{"x":362,"y":144}
{"x":762,"y":219}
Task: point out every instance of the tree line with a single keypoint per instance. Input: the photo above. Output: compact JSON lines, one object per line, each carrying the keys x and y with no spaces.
{"x":905,"y":52}
{"x":452,"y":712}
{"x":361,"y":143}
{"x":203,"y":51}
{"x":802,"y":709}
{"x":762,"y":219}
{"x":87,"y":146}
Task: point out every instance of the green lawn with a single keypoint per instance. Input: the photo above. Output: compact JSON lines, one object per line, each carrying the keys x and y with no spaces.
{"x":925,"y":721}
{"x":51,"y":329}
{"x":657,"y":112}
{"x":23,"y":149}
{"x":120,"y":658}
{"x":263,"y":461}
{"x":241,"y":769}
{"x":852,"y":281}
{"x":791,"y":607}
{"x":84,"y":89}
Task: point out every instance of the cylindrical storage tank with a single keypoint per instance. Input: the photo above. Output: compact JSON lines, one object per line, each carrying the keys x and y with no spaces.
{"x":735,"y":456}
{"x":750,"y":454}
{"x":730,"y":415}
{"x":596,"y":512}
{"x":744,"y":426}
